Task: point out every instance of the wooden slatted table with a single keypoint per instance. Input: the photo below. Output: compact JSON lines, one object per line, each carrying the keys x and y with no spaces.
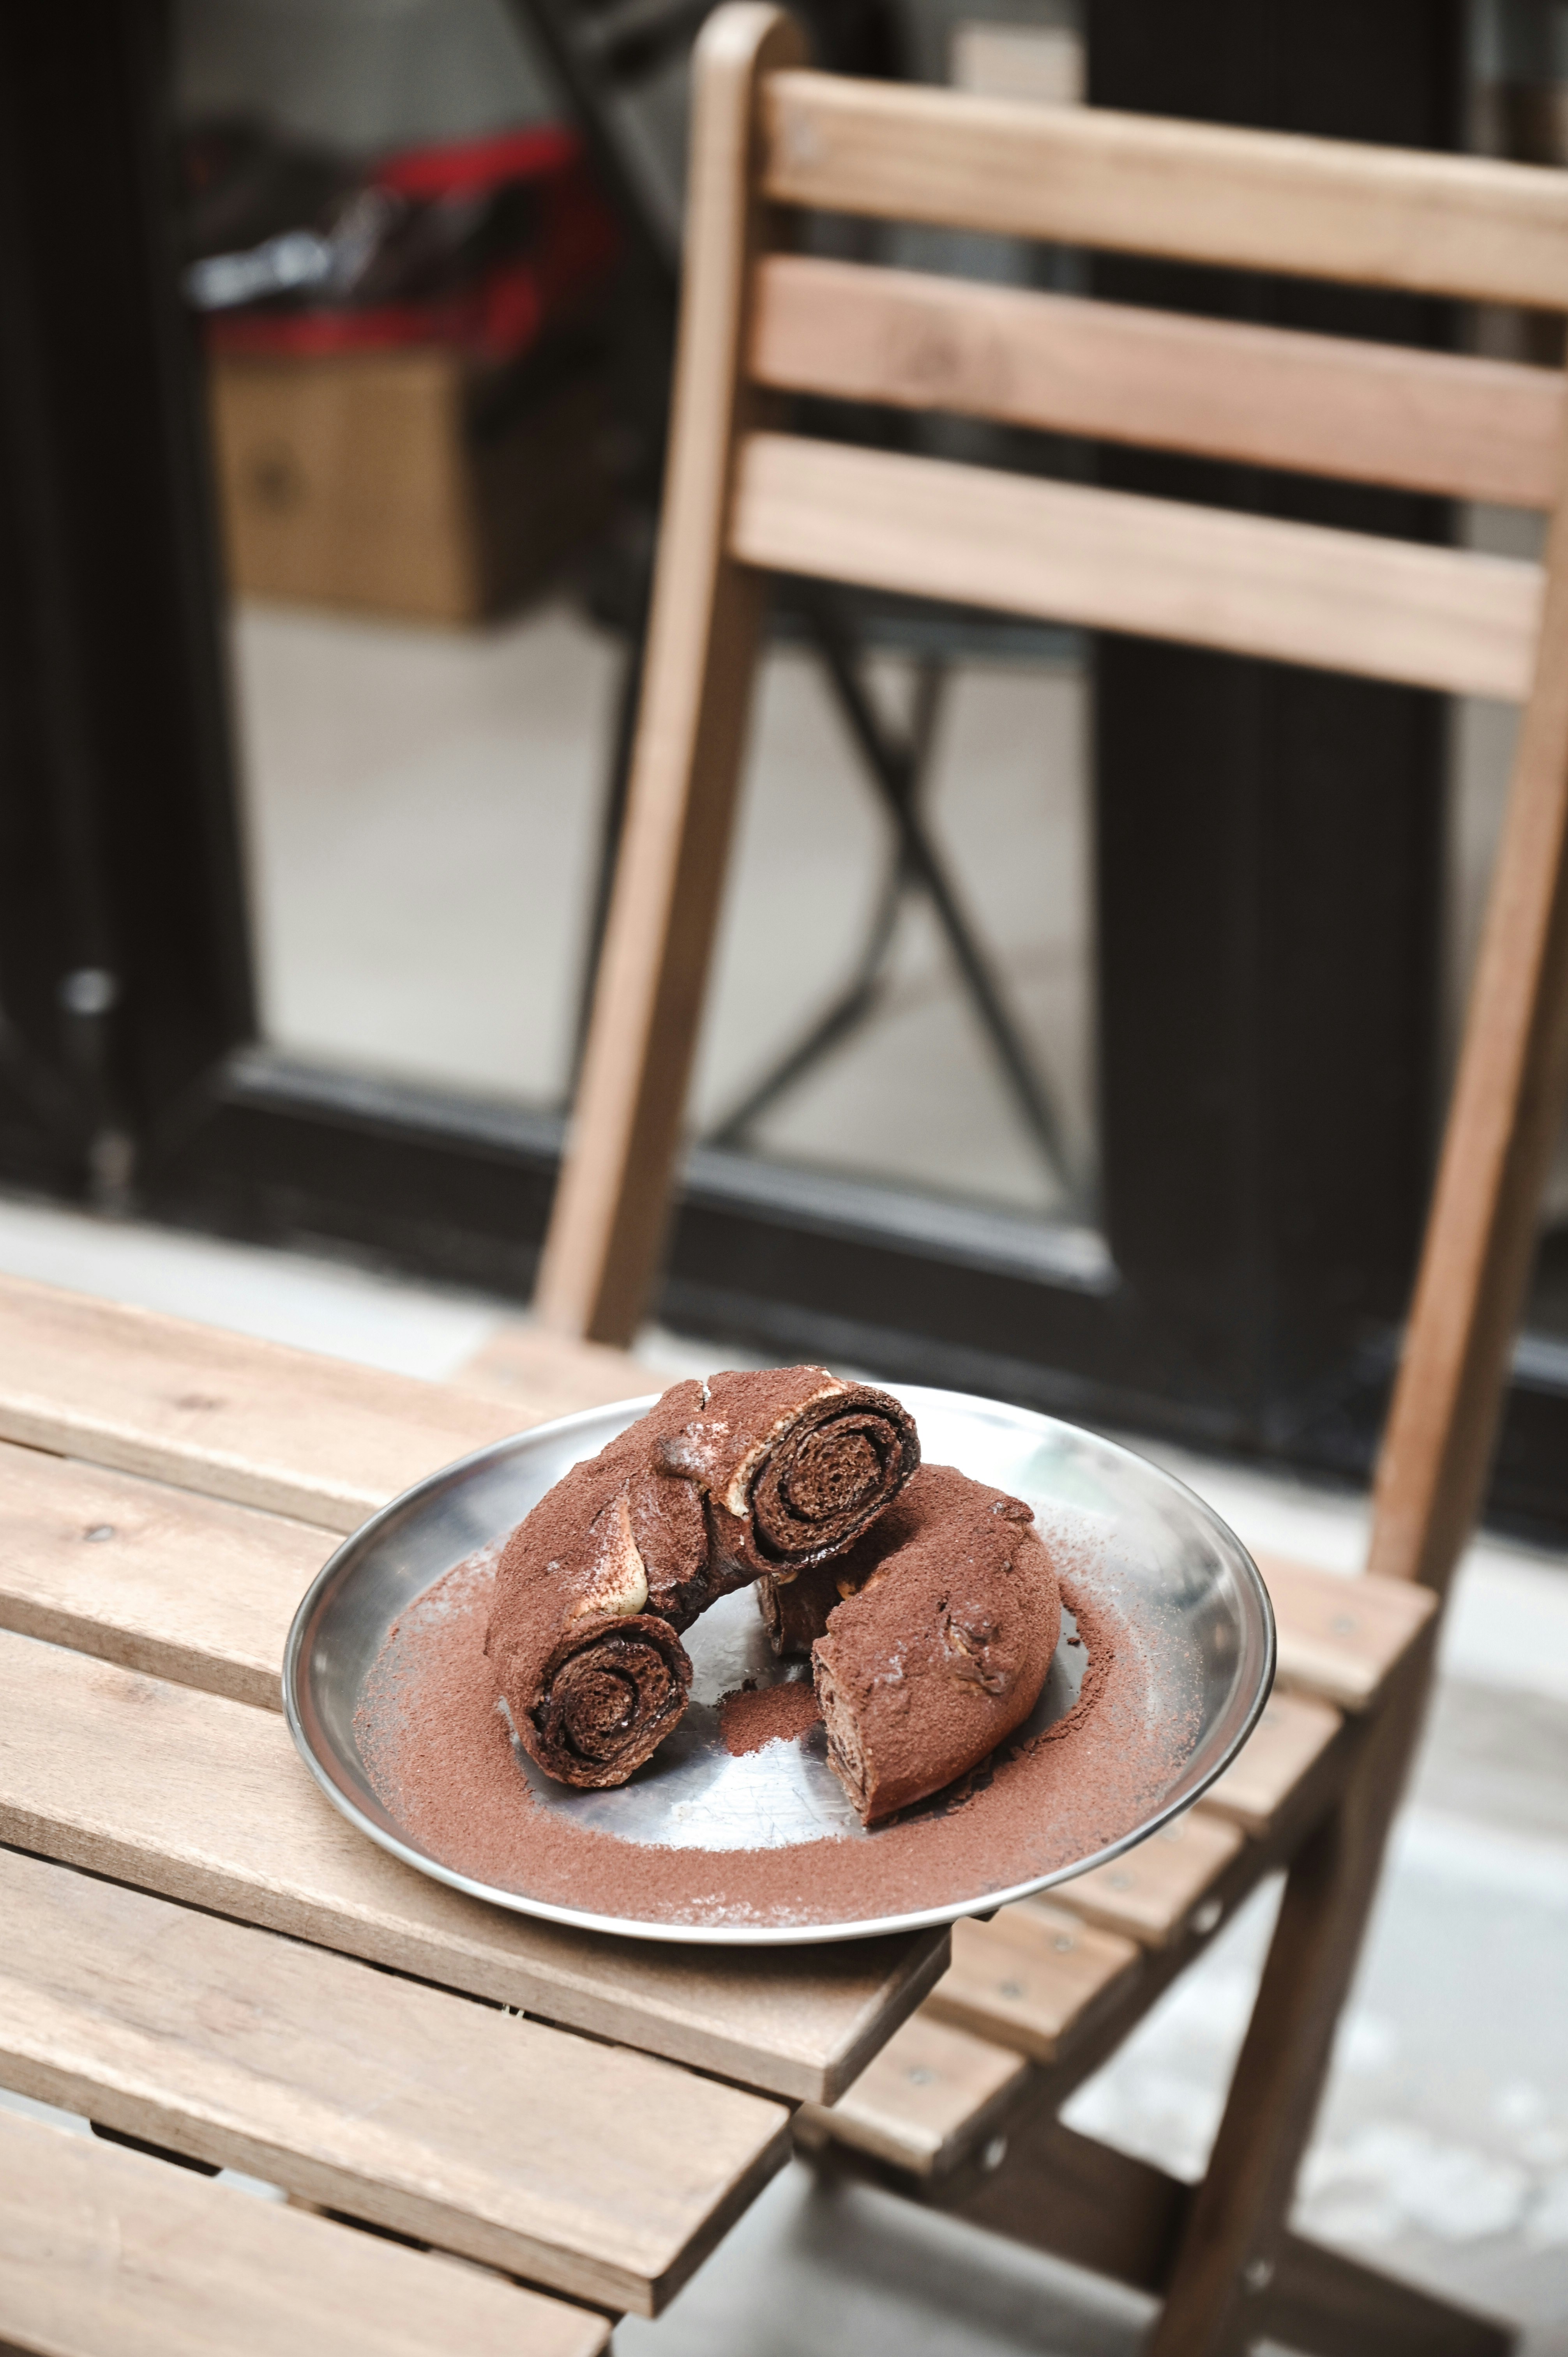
{"x":201,"y":1954}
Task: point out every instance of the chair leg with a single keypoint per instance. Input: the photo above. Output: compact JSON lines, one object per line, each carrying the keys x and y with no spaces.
{"x":612,"y":826}
{"x":1231,"y":2245}
{"x":893,"y":780}
{"x":861,"y":995}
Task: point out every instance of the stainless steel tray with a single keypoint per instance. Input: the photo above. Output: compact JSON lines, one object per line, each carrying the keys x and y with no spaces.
{"x":1173,"y":1564}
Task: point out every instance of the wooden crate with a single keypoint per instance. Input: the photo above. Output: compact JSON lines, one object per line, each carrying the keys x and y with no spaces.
{"x":414,"y":483}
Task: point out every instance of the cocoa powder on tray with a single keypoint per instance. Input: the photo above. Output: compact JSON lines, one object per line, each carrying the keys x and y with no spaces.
{"x":439,"y":1755}
{"x":754,"y":1715}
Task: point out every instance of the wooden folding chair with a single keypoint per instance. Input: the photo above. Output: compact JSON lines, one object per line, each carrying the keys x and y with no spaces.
{"x":1051,"y":1990}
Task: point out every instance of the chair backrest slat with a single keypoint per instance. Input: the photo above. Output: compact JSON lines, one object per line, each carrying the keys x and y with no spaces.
{"x":1198,"y":192}
{"x":1478,"y":430}
{"x":1386,"y":608}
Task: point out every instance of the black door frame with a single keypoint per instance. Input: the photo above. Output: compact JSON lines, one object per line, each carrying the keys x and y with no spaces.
{"x":1247,"y":1294}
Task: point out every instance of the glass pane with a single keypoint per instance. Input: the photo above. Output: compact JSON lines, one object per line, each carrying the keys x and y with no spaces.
{"x":428,"y":726}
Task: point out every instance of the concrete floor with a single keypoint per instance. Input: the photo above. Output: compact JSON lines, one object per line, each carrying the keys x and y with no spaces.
{"x":1442,"y":2148}
{"x":424,"y":817}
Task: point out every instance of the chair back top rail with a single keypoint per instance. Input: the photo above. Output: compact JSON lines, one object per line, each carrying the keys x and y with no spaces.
{"x":1422,"y":421}
{"x":1460,"y":226}
{"x":1447,"y":618}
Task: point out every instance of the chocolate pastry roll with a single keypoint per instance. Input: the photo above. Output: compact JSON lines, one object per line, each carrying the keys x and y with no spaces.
{"x":793,"y":1465}
{"x":627,"y":1549}
{"x":942,"y":1647}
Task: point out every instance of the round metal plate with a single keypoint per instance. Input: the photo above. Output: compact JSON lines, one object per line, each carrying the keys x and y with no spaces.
{"x":1170,"y":1562}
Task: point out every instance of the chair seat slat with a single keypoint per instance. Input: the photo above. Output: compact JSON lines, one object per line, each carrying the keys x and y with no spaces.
{"x":256,"y":1422}
{"x":1466,"y":226}
{"x":1340,"y":1639}
{"x":1466,"y":428}
{"x":1030,"y":1979}
{"x":1150,"y":1892}
{"x":159,"y":1581}
{"x":931,"y":2090}
{"x":1441,"y":617}
{"x":1287,"y":1742}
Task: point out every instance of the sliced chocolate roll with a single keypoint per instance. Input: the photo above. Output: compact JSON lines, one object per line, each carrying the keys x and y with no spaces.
{"x":591,"y":1593}
{"x":793,"y":1464}
{"x":606,"y":1697}
{"x":628,"y":1548}
{"x":943,"y":1646}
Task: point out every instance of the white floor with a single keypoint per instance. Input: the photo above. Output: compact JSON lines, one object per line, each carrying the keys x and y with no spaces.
{"x":425,"y":819}
{"x":1442,"y":2148}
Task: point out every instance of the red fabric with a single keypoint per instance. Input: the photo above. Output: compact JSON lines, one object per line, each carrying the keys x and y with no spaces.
{"x":465,"y":164}
{"x":501,"y":316}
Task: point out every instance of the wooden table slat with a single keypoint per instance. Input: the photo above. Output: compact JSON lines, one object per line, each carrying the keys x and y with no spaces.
{"x":156,"y":1578}
{"x":205,"y":1800}
{"x":585,"y":2168}
{"x":287,"y":1430}
{"x":105,"y":2253}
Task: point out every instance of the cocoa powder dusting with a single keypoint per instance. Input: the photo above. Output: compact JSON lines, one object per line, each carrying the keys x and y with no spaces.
{"x":439,"y":1753}
{"x":754,"y":1715}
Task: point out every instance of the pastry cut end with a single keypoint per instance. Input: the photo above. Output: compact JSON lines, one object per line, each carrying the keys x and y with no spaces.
{"x":846,"y":1757}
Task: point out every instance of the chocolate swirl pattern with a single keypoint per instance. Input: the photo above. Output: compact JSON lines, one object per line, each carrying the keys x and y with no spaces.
{"x":793,"y":1464}
{"x":608,"y":1695}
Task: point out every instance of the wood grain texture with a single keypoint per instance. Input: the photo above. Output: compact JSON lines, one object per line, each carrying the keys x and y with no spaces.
{"x":582,"y":2166}
{"x":612,"y":1202}
{"x":1286,"y":1744}
{"x":1030,"y":1977}
{"x":1341,"y":1638}
{"x":223,"y":1414}
{"x":930,"y":2090}
{"x":1504,"y":1121}
{"x":528,"y":1363}
{"x":1148,"y":1893}
{"x":1085,"y":176}
{"x":105,"y":2253}
{"x":1206,"y":576}
{"x":206,"y":1801}
{"x":158,"y":1580}
{"x":1441,"y":422}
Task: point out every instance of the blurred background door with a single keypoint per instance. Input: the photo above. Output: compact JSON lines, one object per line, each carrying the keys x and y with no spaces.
{"x":333,"y":353}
